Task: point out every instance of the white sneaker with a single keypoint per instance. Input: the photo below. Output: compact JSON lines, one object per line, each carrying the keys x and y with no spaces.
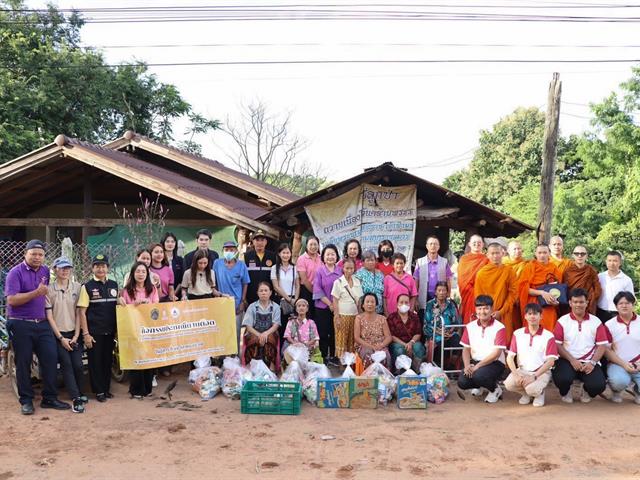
{"x":524,"y":399}
{"x":154,"y":382}
{"x":585,"y":398}
{"x":616,"y":397}
{"x":568,"y":398}
{"x":476,"y":392}
{"x":493,"y":397}
{"x":539,"y":400}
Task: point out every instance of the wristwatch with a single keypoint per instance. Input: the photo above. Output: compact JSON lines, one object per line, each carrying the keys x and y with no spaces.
{"x":593,"y":363}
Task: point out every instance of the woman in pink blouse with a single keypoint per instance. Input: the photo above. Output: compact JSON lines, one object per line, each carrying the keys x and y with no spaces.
{"x":307,"y":265}
{"x":137,"y":291}
{"x":161,"y":267}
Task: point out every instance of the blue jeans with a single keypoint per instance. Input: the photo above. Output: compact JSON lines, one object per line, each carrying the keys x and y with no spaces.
{"x":28,"y":338}
{"x":619,"y":378}
{"x":419,"y":352}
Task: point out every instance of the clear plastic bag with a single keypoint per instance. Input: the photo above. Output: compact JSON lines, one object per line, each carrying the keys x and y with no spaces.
{"x":260,"y":371}
{"x":386,"y":380}
{"x":403,"y":362}
{"x":348,"y":359}
{"x":234,"y":375}
{"x":313,"y":372}
{"x":297,"y":353}
{"x":293,"y":373}
{"x":202,"y":362}
{"x":428,"y":369}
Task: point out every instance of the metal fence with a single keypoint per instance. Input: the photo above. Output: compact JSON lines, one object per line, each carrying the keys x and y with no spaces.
{"x":120,"y":259}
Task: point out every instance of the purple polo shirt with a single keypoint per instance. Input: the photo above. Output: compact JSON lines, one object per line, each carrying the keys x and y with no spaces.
{"x":432,"y":268}
{"x":22,"y":279}
{"x":323,"y":284}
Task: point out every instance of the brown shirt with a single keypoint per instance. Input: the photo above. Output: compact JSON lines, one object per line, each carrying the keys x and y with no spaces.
{"x":63,"y":302}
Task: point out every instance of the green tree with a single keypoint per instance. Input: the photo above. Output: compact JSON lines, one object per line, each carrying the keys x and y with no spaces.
{"x":49,"y":84}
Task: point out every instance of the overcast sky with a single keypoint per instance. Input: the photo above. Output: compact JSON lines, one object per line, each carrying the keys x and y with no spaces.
{"x":423,"y":116}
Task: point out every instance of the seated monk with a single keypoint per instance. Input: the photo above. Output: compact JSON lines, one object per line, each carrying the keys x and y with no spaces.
{"x":262,"y":321}
{"x":538,"y":272}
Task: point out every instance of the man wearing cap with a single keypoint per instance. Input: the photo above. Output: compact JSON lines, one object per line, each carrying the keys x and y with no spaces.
{"x":26,"y":290}
{"x":62,"y":313}
{"x":259,"y":262}
{"x":203,"y":240}
{"x":97,"y":309}
{"x":232,"y":278}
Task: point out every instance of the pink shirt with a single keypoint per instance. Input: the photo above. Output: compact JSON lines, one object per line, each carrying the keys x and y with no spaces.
{"x":141,"y":294}
{"x":359,"y":264}
{"x":393,"y":288}
{"x":166,"y":279}
{"x":308,"y":265}
{"x":306,"y":331}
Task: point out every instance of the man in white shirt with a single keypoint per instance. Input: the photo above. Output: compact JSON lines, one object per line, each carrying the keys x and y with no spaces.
{"x":582,"y":341}
{"x":536,"y":350}
{"x":624,"y":355}
{"x":613,"y":281}
{"x":484,"y":340}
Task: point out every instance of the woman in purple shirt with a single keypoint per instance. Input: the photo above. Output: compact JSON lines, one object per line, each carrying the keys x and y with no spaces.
{"x":322,"y":286}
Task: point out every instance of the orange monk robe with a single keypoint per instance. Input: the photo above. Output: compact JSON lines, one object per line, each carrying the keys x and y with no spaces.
{"x":468,"y":267}
{"x":517,"y":265}
{"x":499,"y":282}
{"x":535,"y":275}
{"x":561,"y":264}
{"x":587,"y":278}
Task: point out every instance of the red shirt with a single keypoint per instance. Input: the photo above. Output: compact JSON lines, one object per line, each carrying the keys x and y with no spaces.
{"x":385,"y":269}
{"x":404,"y":331}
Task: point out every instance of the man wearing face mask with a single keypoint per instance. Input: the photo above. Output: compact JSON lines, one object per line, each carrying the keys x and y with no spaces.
{"x":232,"y":278}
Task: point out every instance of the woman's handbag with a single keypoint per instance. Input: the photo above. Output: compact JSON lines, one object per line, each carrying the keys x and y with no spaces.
{"x":558,"y":290}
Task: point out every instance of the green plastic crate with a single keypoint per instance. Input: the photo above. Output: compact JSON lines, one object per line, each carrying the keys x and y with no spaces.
{"x":271,"y":398}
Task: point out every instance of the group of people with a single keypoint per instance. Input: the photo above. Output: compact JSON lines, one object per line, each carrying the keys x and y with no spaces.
{"x":335,"y":302}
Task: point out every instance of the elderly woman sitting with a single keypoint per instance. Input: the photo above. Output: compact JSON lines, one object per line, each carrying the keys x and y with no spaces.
{"x":262,"y":321}
{"x":371,"y":332}
{"x":406,"y":330}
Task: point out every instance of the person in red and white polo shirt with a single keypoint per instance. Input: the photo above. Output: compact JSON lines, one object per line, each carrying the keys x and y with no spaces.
{"x":582,"y":341}
{"x":484,"y":340}
{"x":624,"y":355}
{"x":536,"y":350}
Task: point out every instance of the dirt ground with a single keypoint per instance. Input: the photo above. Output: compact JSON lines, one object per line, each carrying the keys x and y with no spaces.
{"x":134,"y":439}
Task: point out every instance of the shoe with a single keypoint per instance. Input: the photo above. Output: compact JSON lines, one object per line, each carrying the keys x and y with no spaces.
{"x":539,"y":400}
{"x":109,"y":395}
{"x":83,"y":398}
{"x":78,"y":405}
{"x":154,"y":382}
{"x":585,"y":398}
{"x":524,"y":399}
{"x":568,"y":398}
{"x":55,"y":404}
{"x":27,"y":409}
{"x":333,"y":362}
{"x":476,"y":392}
{"x":137,"y":397}
{"x":493,"y":397}
{"x":101,"y":397}
{"x":616,"y":397}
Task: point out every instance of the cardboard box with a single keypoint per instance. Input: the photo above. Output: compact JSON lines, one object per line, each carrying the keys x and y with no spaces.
{"x":363,"y":392}
{"x":333,"y":393}
{"x":412,"y":391}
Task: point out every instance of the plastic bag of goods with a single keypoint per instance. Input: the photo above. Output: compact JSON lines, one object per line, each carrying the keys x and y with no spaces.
{"x":293,"y":373}
{"x":260,"y":371}
{"x":297,"y":353}
{"x":403,"y":362}
{"x":234,"y":375}
{"x":201,"y":365}
{"x":210,"y":387}
{"x":427,"y":369}
{"x":437,"y":388}
{"x":386,"y":380}
{"x":313,"y":372}
{"x":348,"y":359}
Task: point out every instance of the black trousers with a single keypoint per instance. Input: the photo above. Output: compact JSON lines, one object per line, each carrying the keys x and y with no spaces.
{"x":100,"y":358}
{"x":140,"y":381}
{"x":28,"y":338}
{"x":71,"y":366}
{"x":564,"y":375}
{"x":485,"y":377}
{"x":308,"y":296}
{"x":324,"y":322}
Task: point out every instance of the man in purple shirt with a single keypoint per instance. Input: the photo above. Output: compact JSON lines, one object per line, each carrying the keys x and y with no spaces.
{"x":430,"y":269}
{"x":29,"y":330}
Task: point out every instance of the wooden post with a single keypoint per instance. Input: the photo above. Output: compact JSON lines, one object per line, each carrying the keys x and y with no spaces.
{"x":87,"y":202}
{"x":296,"y":246}
{"x":549,"y":156}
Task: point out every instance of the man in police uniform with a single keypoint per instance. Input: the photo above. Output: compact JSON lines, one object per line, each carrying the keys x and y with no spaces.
{"x":29,"y":331}
{"x":97,"y":307}
{"x":259,"y":262}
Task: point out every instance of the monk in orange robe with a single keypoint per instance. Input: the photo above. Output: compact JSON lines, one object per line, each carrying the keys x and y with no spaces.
{"x":538,"y":272}
{"x":468,"y":267}
{"x":582,"y":275}
{"x":499,"y":282}
{"x":515,"y":260}
{"x":556,"y":245}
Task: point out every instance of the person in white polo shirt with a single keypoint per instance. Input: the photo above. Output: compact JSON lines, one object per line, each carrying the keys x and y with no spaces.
{"x":536,"y":352}
{"x":612,"y":282}
{"x":582,"y":341}
{"x":624,"y":355}
{"x":484,"y":340}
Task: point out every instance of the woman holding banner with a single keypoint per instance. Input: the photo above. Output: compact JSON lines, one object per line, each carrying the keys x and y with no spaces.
{"x":139,"y":290}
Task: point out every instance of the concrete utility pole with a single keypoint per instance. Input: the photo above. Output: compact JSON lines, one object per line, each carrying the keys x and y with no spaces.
{"x":549,"y":157}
